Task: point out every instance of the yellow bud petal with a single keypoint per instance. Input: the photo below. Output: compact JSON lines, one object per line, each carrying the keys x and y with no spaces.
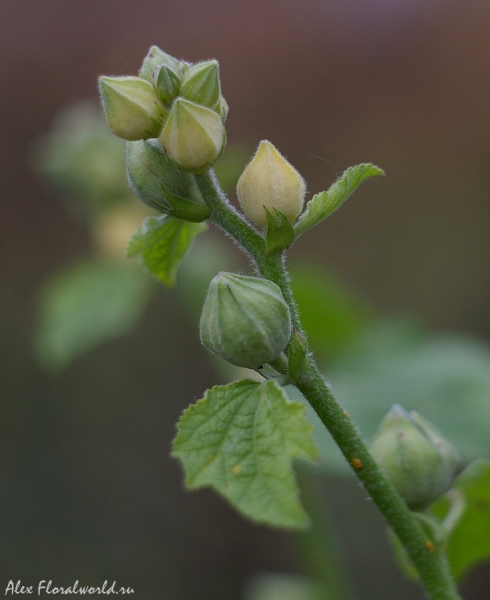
{"x":270,"y":181}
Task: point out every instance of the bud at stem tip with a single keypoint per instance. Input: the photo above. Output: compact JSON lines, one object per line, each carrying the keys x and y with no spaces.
{"x":270,"y":181}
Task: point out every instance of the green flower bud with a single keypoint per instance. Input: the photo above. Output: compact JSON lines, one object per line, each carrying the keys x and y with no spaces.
{"x":167,"y":84}
{"x":417,"y":458}
{"x":131,"y":107}
{"x":201,"y":84}
{"x":155,"y":58}
{"x":270,"y":181}
{"x":162,"y":185}
{"x":193,"y":136}
{"x":245,"y":320}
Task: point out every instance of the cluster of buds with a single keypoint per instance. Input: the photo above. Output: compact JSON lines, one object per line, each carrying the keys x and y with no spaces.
{"x":176,"y":102}
{"x":417,"y":458}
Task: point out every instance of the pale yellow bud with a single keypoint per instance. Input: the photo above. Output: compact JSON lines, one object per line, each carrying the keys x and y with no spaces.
{"x":270,"y":181}
{"x":131,"y":107}
{"x":193,"y":136}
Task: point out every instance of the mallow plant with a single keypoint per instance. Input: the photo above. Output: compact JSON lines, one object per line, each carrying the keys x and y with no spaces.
{"x":241,"y":438}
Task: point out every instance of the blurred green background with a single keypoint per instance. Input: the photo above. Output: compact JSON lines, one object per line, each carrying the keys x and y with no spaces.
{"x":88,"y":489}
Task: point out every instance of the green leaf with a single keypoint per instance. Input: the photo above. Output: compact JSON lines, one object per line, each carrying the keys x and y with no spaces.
{"x":162,"y":243}
{"x":85,"y":306}
{"x":280,"y":232}
{"x":240,"y":439}
{"x":469,"y":541}
{"x":322,"y":205}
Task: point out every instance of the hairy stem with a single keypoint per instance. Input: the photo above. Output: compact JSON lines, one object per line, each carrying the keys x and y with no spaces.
{"x":431,"y":565}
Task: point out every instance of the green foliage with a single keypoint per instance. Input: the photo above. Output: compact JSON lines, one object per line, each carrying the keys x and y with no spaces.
{"x":331,"y":314}
{"x":322,"y":205}
{"x":240,"y":439}
{"x":273,"y":586}
{"x":82,"y":158}
{"x":469,"y":541}
{"x":86,"y":305}
{"x":444,"y":377}
{"x":162,"y":243}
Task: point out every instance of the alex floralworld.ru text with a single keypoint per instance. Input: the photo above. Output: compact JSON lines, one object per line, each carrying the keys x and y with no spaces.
{"x":47,"y":587}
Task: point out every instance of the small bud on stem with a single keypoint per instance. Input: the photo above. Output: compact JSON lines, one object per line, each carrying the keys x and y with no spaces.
{"x":417,"y":458}
{"x":245,"y":320}
{"x":270,"y":181}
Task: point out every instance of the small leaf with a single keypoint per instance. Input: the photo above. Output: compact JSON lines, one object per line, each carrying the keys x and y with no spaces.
{"x":162,"y":243}
{"x":322,"y":205}
{"x":469,"y":541}
{"x":85,"y":306}
{"x":280,"y":232}
{"x":240,"y":439}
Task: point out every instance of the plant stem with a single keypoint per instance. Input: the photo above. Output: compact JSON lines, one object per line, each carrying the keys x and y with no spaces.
{"x":431,"y":565}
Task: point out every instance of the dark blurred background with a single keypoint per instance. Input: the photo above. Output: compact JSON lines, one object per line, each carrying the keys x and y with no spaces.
{"x":88,"y":489}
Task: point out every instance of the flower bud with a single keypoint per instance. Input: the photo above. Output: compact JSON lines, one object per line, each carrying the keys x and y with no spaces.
{"x":131,"y":107}
{"x":167,"y":84}
{"x":201,"y":84}
{"x":193,"y":136}
{"x":160,"y":184}
{"x":270,"y":181}
{"x":155,"y":58}
{"x":417,"y":458}
{"x":245,"y":320}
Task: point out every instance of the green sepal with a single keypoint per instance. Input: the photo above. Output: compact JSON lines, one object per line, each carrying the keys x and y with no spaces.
{"x":167,"y":84}
{"x":154,"y":59}
{"x":180,"y":208}
{"x":162,"y":242}
{"x":322,"y":205}
{"x":240,"y":439}
{"x":297,"y":355}
{"x":280,"y":232}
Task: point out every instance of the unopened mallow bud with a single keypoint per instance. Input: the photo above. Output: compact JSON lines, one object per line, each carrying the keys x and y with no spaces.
{"x":245,"y":320}
{"x":193,"y":136}
{"x":270,"y":181}
{"x":417,"y":458}
{"x":201,"y":84}
{"x":131,"y":107}
{"x":154,"y":59}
